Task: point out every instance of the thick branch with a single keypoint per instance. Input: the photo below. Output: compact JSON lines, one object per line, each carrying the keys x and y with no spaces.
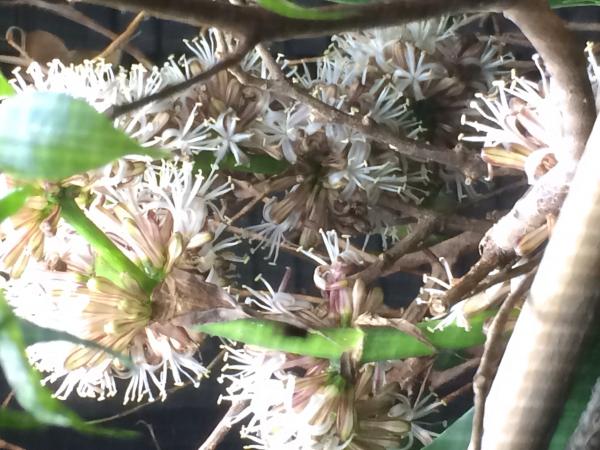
{"x":269,"y":26}
{"x":532,"y":378}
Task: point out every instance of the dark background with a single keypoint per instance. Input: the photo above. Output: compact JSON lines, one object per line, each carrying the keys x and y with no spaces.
{"x":188,"y":415}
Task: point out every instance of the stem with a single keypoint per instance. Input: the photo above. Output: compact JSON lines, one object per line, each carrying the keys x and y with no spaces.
{"x":367,"y":344}
{"x":105,"y":248}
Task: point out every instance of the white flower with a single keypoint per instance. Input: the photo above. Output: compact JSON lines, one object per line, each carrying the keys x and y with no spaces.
{"x":226,"y":138}
{"x":414,"y":72}
{"x":285,"y":127}
{"x":272,"y":233}
{"x":204,"y":48}
{"x":413,"y":413}
{"x":275,"y":302}
{"x":187,"y":195}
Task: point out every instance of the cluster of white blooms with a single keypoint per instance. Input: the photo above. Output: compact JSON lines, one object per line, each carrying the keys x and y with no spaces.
{"x":169,"y":219}
{"x":159,"y":219}
{"x":303,"y":402}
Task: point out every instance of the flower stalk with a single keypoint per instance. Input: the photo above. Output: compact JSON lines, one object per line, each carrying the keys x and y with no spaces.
{"x":106,"y":249}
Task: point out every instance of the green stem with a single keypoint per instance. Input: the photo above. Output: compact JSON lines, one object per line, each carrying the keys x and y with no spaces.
{"x":12,"y":202}
{"x":105,"y":248}
{"x":371,"y":344}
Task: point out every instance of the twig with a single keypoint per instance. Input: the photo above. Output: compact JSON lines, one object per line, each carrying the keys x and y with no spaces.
{"x":469,"y":282}
{"x":386,"y":259}
{"x":444,"y":377}
{"x":468,"y":163}
{"x":452,"y":396}
{"x":7,"y":400}
{"x":70,"y":13}
{"x":584,"y":27}
{"x":223,"y":426}
{"x":452,"y":248}
{"x":124,"y":37}
{"x":232,"y":59}
{"x":251,"y":204}
{"x":491,"y":357}
{"x":451,"y":222}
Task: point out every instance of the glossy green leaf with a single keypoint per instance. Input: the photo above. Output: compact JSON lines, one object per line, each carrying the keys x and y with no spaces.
{"x":372,"y":343}
{"x":456,"y":436}
{"x":17,"y":420}
{"x":12,"y":202}
{"x":26,"y":382}
{"x":6,"y":89}
{"x":51,"y":136}
{"x":33,"y":333}
{"x":572,"y":3}
{"x":293,"y":11}
{"x":257,"y":164}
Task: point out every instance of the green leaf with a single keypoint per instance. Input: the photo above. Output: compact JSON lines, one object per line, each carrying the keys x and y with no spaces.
{"x":33,"y":333}
{"x":326,"y":343}
{"x":456,"y":436}
{"x":371,"y":343}
{"x":572,"y":3}
{"x":51,"y":136}
{"x":293,"y":11}
{"x":12,"y":202}
{"x":6,"y":89}
{"x":26,"y":383}
{"x":17,"y":420}
{"x":257,"y":164}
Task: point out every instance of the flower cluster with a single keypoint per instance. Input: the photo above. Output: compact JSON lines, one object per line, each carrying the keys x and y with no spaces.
{"x":130,"y":256}
{"x":302,"y":402}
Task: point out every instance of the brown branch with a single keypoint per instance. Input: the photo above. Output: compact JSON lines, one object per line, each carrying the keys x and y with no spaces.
{"x":450,"y":222}
{"x":468,"y":163}
{"x":450,"y":249}
{"x":386,"y":259}
{"x":223,"y":426}
{"x":124,"y":37}
{"x":70,"y":13}
{"x":269,"y":26}
{"x":452,"y":396}
{"x":230,"y":60}
{"x":491,"y":358}
{"x":527,"y":392}
{"x":444,"y":377}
